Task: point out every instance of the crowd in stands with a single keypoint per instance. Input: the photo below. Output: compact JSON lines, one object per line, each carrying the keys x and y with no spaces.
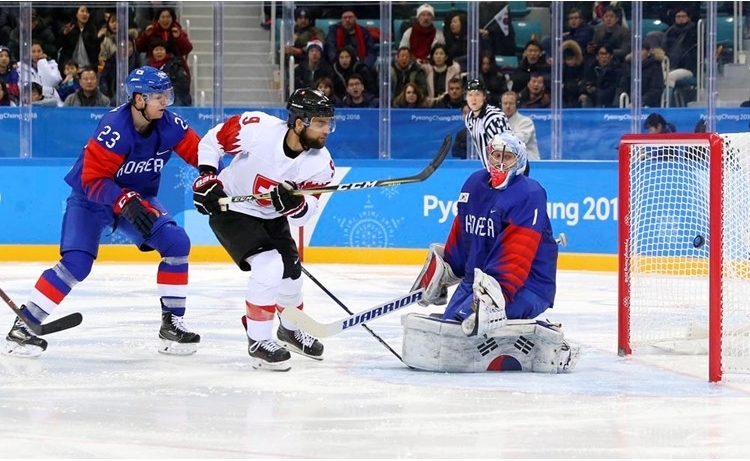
{"x":74,"y":53}
{"x":432,"y":50}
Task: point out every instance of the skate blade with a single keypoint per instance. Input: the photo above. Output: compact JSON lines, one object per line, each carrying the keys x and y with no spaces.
{"x":575,"y":354}
{"x":13,"y":349}
{"x":293,"y":348}
{"x":175,"y":348}
{"x":259,"y":364}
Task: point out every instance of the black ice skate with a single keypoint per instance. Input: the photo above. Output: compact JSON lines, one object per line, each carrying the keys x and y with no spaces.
{"x":268,"y":355}
{"x":300,"y":342}
{"x":176,"y":338}
{"x":22,"y":342}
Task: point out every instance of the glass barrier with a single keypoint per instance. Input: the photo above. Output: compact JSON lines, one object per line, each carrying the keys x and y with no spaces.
{"x":224,"y":57}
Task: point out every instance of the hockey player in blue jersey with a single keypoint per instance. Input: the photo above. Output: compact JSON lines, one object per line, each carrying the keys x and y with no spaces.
{"x":502,"y":254}
{"x":114,"y":185}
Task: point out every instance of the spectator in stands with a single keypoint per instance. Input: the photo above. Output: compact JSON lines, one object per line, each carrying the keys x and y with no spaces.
{"x":578,"y":29}
{"x":7,"y":23}
{"x":532,"y":62}
{"x":325,"y":86}
{"x":439,"y":69}
{"x":348,"y":32}
{"x":456,"y":40}
{"x":172,"y":66}
{"x":454,"y":98}
{"x":89,"y":94}
{"x":459,"y":141}
{"x":108,"y":78}
{"x":347,"y":63}
{"x":681,"y":46}
{"x":79,"y":40}
{"x":422,"y":35}
{"x":40,"y":32}
{"x":166,"y":28}
{"x":43,"y":71}
{"x":611,"y":33}
{"x":108,"y":46}
{"x":357,"y":95}
{"x":411,"y":97}
{"x":70,"y":84}
{"x":534,"y":96}
{"x":5,"y":99}
{"x":304,"y":32}
{"x":494,"y":38}
{"x":652,"y":76}
{"x":491,"y":77}
{"x":600,"y":79}
{"x":404,"y":69}
{"x":655,"y":123}
{"x":8,"y":74}
{"x":312,"y":68}
{"x":521,"y":125}
{"x":572,"y":74}
{"x":39,"y":99}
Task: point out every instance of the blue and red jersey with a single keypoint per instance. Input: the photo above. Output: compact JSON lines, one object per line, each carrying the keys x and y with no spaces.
{"x":118,"y":157}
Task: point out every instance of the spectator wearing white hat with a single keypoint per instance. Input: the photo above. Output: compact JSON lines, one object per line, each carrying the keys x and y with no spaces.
{"x":312,"y":68}
{"x":422,"y":35}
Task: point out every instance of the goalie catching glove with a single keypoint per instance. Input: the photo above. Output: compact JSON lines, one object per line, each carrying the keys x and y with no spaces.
{"x":207,"y":190}
{"x":435,"y":278}
{"x":285,"y":202}
{"x":137,"y":211}
{"x":489,"y":307}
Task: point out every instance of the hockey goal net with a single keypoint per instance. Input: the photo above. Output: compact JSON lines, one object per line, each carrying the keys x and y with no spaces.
{"x":684,"y":247}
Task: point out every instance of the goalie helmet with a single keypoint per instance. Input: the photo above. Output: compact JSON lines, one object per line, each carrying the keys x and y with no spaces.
{"x":503,"y":167}
{"x":306,"y":104}
{"x":149,"y":80}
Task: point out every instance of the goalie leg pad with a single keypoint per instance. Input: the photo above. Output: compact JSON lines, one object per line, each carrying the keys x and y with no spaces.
{"x":433,"y":344}
{"x":436,"y":276}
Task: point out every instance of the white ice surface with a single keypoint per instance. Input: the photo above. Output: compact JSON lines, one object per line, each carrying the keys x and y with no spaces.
{"x":102,"y":391}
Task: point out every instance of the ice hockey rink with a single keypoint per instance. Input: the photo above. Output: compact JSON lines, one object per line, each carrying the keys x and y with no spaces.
{"x":102,"y":391}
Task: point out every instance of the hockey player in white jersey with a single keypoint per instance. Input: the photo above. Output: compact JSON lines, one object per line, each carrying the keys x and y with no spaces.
{"x":276,"y":156}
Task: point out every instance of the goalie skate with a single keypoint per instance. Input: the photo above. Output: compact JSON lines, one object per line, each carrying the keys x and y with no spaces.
{"x":22,"y":342}
{"x":176,"y":339}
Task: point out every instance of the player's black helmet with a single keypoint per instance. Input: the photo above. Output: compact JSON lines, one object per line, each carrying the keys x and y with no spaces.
{"x":475,"y":85}
{"x":306,"y":103}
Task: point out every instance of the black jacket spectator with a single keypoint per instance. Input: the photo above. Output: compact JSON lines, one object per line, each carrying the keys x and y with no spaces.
{"x":341,"y":72}
{"x":652,"y":77}
{"x":681,"y":46}
{"x":600,"y":79}
{"x":80,"y":27}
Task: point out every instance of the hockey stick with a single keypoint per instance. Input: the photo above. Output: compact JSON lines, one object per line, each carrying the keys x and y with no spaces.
{"x":336,"y":300}
{"x":562,"y":240}
{"x":321,"y":330}
{"x":421,"y":176}
{"x":69,"y":321}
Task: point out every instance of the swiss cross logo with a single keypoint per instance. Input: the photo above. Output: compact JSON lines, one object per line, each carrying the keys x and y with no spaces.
{"x":263,"y":185}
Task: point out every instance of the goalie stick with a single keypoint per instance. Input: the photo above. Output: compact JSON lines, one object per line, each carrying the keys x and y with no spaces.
{"x":63,"y":323}
{"x":321,"y":330}
{"x":421,"y":176}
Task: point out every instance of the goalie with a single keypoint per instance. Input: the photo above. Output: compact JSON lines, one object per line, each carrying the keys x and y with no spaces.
{"x":503,"y":256}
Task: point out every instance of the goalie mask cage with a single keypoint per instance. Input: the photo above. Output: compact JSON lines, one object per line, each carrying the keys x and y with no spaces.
{"x":684,"y":245}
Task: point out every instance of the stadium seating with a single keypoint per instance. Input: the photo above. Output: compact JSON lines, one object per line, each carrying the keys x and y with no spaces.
{"x":525,"y":31}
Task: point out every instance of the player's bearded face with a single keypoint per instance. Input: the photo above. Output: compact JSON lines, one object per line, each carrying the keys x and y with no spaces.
{"x":317,"y":130}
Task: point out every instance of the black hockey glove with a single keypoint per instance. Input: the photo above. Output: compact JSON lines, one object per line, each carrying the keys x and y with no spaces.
{"x":284,"y":201}
{"x":138,"y":212}
{"x":207,"y":190}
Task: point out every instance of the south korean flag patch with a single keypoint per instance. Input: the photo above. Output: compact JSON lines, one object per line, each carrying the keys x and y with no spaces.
{"x":463,"y":197}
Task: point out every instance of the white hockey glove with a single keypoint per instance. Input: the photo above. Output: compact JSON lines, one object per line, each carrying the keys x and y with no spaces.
{"x":436,"y":276}
{"x":489,"y":307}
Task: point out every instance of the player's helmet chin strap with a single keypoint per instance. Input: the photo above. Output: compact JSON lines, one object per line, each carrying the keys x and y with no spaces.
{"x":142,"y":111}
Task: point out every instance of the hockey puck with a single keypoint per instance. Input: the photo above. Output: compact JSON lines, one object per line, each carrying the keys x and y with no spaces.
{"x":698,"y":241}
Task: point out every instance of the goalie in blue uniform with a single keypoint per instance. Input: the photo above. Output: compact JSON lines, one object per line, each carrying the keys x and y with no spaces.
{"x":502,"y":254}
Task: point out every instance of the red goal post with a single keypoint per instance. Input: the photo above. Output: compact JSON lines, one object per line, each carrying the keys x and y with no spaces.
{"x":684,"y":246}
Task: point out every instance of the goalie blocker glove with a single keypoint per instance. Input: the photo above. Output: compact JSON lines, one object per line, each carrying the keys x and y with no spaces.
{"x":137,"y":211}
{"x":207,"y":190}
{"x":285,"y":202}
